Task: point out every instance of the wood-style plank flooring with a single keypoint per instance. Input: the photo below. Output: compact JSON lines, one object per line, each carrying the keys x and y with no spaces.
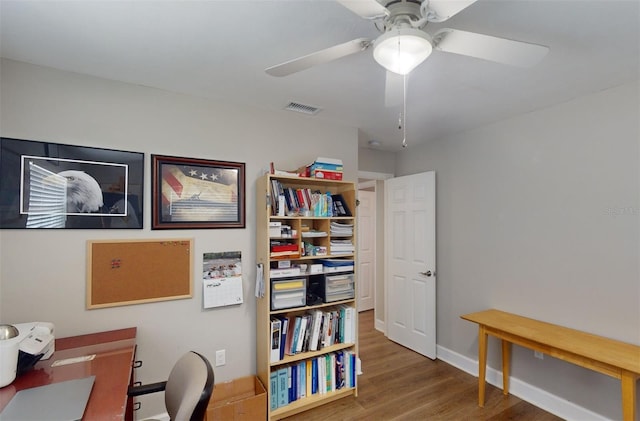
{"x":399,"y":384}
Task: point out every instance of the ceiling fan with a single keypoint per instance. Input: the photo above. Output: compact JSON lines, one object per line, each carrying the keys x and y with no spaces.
{"x":404,"y":43}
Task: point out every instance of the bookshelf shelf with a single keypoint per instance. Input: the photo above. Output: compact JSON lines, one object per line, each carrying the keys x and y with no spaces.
{"x":343,"y":218}
{"x":312,"y":402}
{"x":311,"y":354}
{"x":307,"y":308}
{"x":340,"y":344}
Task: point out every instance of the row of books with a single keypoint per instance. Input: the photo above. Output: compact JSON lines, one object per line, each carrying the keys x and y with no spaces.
{"x":311,"y":331}
{"x":320,"y":375}
{"x":290,"y":201}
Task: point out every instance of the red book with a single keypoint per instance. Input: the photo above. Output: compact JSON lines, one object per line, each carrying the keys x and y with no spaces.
{"x":284,"y":247}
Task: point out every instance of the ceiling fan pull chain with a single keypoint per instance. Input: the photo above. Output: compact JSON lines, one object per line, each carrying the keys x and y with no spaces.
{"x":404,"y":112}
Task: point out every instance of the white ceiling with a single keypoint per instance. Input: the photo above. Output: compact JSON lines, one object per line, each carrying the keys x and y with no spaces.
{"x":219,"y":50}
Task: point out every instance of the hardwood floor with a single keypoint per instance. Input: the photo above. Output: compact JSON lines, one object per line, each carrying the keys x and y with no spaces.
{"x":399,"y":384}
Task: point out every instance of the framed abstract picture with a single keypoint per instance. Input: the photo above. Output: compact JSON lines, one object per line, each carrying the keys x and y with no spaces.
{"x":53,"y":185}
{"x":190,"y":193}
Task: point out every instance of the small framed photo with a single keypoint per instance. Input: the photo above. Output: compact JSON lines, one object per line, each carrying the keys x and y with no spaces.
{"x":191,"y":193}
{"x":53,"y":185}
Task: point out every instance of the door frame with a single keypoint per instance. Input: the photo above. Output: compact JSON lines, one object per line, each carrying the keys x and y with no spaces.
{"x":370,"y":188}
{"x":364,"y":178}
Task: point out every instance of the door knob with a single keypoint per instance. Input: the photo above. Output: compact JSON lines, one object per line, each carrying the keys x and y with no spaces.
{"x":428,"y":273}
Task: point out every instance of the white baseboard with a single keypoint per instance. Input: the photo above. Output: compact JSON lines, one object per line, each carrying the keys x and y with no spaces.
{"x":534,"y":395}
{"x":380,"y":325}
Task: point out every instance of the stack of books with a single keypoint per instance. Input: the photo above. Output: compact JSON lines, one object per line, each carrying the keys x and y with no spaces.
{"x":327,"y":168}
{"x":340,"y":247}
{"x":284,"y":250}
{"x":313,"y":234}
{"x":284,"y":272}
{"x":339,"y":229}
{"x":336,"y":265}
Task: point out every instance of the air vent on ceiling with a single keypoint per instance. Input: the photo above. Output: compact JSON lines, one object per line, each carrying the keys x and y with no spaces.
{"x":302,"y":108}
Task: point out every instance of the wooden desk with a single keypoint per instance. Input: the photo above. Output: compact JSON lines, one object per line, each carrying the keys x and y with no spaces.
{"x":112,"y":366}
{"x":608,"y":356}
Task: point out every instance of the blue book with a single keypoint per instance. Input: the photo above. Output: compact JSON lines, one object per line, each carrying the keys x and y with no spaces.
{"x":318,"y":165}
{"x":294,"y":383}
{"x":273,"y":379}
{"x":283,"y":387}
{"x":314,"y":376}
{"x":302,"y":382}
{"x":354,"y":372}
{"x":289,"y":385}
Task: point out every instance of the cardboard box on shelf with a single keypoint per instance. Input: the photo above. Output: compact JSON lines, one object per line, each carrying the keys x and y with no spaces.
{"x":275,"y":229}
{"x":242,"y":399}
{"x":324,"y":166}
{"x":334,"y":161}
{"x":327,"y":175}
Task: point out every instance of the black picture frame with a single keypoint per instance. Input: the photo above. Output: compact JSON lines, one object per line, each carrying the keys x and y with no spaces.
{"x":192,"y":193}
{"x":45,"y":185}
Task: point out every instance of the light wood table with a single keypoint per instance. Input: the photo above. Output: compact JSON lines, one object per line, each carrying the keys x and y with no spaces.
{"x":608,"y":356}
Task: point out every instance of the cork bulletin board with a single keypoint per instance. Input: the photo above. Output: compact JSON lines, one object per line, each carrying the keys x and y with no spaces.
{"x":123,"y":272}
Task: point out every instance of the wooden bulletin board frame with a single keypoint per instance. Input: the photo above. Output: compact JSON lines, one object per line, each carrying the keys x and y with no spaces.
{"x":124,"y":272}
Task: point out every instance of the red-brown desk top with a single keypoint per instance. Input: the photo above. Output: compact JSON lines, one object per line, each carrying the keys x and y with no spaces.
{"x":114,"y":353}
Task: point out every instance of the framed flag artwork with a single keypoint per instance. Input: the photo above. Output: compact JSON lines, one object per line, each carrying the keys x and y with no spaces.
{"x":190,"y":193}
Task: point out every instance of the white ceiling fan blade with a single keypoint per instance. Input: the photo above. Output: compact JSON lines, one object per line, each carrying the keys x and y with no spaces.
{"x":441,"y":10}
{"x":500,"y":50}
{"x":319,"y":57}
{"x":368,"y":9}
{"x":394,"y":90}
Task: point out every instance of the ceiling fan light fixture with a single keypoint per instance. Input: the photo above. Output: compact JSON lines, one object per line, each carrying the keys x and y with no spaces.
{"x":401,"y":50}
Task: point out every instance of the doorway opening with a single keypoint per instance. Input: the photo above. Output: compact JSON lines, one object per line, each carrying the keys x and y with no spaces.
{"x":371,"y":245}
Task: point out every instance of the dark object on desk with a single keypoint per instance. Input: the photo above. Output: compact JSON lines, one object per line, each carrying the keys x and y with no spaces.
{"x":26,"y":362}
{"x":64,"y":401}
{"x":188,"y":389}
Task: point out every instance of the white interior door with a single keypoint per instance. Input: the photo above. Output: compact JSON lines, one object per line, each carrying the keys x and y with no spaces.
{"x":410,"y":282}
{"x":366,"y":249}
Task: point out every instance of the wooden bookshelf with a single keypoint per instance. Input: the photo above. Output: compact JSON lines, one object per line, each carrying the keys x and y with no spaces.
{"x":301,"y":221}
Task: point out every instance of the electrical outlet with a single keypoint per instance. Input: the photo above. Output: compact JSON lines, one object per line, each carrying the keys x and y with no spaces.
{"x":220,"y":358}
{"x":539,"y":355}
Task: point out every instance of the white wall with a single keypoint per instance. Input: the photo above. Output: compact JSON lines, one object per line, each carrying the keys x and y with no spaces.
{"x":371,"y":160}
{"x":539,"y":215}
{"x":42,"y":274}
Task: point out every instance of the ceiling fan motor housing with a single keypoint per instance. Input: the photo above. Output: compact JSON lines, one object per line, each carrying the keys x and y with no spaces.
{"x":403,"y":12}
